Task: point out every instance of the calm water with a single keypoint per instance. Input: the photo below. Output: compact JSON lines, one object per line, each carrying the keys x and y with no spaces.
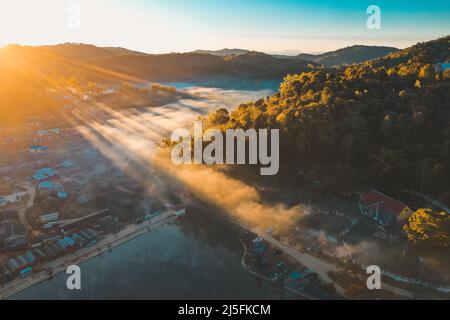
{"x":231,"y":84}
{"x":194,"y":259}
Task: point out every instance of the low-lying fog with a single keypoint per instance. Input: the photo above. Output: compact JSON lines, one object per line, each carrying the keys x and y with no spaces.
{"x":133,"y":133}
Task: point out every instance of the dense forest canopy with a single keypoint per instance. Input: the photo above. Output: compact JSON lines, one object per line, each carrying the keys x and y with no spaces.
{"x":385,"y":122}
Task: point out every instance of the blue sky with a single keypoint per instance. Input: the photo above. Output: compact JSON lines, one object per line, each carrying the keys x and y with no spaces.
{"x":184,"y":25}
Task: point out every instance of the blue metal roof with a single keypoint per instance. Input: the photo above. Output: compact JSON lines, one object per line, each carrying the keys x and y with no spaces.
{"x":26,"y":271}
{"x":62,"y":195}
{"x":62,"y":244}
{"x":67,"y":163}
{"x":445,"y":66}
{"x":69,"y":241}
{"x":66,"y":242}
{"x":295,"y":275}
{"x":44,"y":173}
{"x":38,"y":148}
{"x":49,"y":185}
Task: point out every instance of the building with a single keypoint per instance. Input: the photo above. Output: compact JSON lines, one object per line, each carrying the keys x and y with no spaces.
{"x":179,"y":211}
{"x":17,"y":264}
{"x":30,"y":258}
{"x":66,"y":243}
{"x":85,"y":238}
{"x":50,"y":131}
{"x":83,"y":221}
{"x":50,"y":251}
{"x":441,"y":67}
{"x":44,"y":174}
{"x":50,"y":185}
{"x":62,"y":195}
{"x":382,"y":208}
{"x":12,"y":235}
{"x":37,"y":149}
{"x":25,"y":272}
{"x":51,"y":217}
{"x":16,"y":242}
{"x":38,"y":254}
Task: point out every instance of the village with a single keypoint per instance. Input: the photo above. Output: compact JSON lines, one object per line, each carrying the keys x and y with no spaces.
{"x":54,"y":206}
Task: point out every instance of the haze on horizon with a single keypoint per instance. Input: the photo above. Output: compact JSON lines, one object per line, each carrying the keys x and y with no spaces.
{"x":156,"y":26}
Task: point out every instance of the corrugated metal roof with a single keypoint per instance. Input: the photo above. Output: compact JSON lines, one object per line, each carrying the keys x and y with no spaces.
{"x":386,"y":203}
{"x":69,"y":241}
{"x":29,"y":257}
{"x":44,"y":173}
{"x":50,"y":185}
{"x":62,"y":195}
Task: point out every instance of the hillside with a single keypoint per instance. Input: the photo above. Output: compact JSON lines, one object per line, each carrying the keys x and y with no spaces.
{"x":85,"y":52}
{"x":348,"y":55}
{"x":189,"y":66}
{"x":85,"y":61}
{"x":384,"y":122}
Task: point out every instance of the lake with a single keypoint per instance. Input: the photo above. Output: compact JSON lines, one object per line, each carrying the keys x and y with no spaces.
{"x":198,"y":258}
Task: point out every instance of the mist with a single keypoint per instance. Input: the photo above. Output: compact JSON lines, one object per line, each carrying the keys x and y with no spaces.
{"x":124,"y":136}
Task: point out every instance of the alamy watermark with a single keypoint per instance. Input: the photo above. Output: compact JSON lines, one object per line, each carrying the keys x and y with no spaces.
{"x":73,"y":21}
{"x":234,"y":143}
{"x":374,"y":280}
{"x":74,"y":280}
{"x":374,"y":20}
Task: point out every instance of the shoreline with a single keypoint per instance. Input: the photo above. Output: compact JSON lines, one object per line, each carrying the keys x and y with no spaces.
{"x":256,"y":274}
{"x":106,"y":244}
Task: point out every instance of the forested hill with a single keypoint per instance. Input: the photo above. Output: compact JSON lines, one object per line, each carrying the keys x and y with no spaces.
{"x":385,"y":122}
{"x":349,"y":55}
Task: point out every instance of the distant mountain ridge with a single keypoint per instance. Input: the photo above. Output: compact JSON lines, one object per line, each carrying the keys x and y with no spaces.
{"x":178,"y":66}
{"x":348,"y":55}
{"x":223,"y":52}
{"x":345,"y":56}
{"x":85,"y":52}
{"x":91,"y":63}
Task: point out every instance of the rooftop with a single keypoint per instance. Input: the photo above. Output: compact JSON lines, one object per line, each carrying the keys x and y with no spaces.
{"x":386,"y":203}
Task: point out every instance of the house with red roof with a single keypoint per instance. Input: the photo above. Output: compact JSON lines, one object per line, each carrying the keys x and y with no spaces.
{"x":383,"y":208}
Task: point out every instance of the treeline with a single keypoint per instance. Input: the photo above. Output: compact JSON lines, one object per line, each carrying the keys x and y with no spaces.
{"x":385,"y":122}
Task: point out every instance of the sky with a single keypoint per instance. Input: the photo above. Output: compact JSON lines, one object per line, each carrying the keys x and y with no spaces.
{"x":160,"y":26}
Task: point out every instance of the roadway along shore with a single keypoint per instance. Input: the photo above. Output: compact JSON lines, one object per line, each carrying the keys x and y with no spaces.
{"x":60,"y":265}
{"x":320,"y":266}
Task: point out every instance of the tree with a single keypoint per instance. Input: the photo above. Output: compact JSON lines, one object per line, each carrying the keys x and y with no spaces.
{"x":217,"y":118}
{"x":426,"y":72}
{"x":429,"y":228}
